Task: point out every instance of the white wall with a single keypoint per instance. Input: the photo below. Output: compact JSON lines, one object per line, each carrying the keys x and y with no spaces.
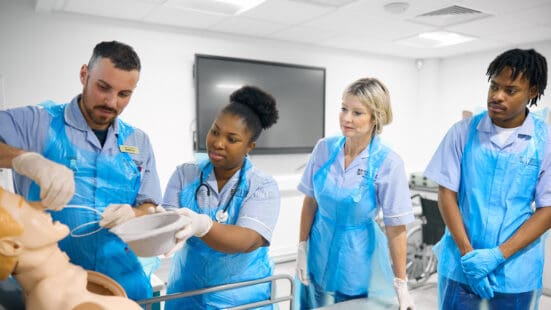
{"x":464,"y":82}
{"x":41,"y":54}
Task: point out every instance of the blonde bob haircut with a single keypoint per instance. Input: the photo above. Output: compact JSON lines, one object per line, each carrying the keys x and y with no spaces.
{"x":374,"y":95}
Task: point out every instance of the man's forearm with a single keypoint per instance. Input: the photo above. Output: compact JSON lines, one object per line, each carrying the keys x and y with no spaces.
{"x":531,"y":230}
{"x":7,"y":154}
{"x":447,"y":203}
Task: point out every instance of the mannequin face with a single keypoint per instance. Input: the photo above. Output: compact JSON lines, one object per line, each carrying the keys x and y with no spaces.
{"x":38,"y":228}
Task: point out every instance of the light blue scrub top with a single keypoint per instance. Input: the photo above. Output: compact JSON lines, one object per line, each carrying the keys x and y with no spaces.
{"x":522,"y":271}
{"x":260,"y":209}
{"x":27,"y":128}
{"x":391,"y":182}
{"x":344,"y":239}
{"x":254,"y":206}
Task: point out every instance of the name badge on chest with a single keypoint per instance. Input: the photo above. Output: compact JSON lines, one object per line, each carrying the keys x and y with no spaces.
{"x":129,"y":149}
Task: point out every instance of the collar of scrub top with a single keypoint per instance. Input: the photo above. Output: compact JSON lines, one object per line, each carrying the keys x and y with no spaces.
{"x":221,"y":215}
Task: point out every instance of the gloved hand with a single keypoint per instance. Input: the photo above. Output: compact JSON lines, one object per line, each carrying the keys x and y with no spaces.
{"x":116,"y":214}
{"x":302,"y":269}
{"x":199,"y":225}
{"x":479,"y":263}
{"x":156,"y":209}
{"x":404,"y":298}
{"x":57,"y":184}
{"x":481,"y":287}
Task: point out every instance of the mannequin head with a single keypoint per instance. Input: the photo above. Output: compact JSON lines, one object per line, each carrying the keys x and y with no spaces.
{"x":29,"y":251}
{"x":9,"y":247}
{"x":23,"y":230}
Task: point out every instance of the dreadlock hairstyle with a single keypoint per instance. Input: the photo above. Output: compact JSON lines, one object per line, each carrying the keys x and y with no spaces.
{"x":531,"y":64}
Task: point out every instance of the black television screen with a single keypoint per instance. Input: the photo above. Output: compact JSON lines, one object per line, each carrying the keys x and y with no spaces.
{"x":299,"y":92}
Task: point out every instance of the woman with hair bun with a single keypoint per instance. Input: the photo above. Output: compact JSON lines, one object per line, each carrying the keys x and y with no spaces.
{"x":233,"y":209}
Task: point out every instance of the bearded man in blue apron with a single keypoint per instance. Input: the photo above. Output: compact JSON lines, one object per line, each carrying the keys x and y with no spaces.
{"x":113,"y":162}
{"x":494,"y":172}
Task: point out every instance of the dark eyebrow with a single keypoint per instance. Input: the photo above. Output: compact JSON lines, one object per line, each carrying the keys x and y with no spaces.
{"x":104,"y":82}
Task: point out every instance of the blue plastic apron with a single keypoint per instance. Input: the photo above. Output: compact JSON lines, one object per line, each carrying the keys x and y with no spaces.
{"x":100,"y":179}
{"x":347,"y":251}
{"x":495,"y":196}
{"x":198,"y":266}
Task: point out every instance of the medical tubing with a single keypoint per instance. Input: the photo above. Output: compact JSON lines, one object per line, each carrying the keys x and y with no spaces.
{"x":85,"y":224}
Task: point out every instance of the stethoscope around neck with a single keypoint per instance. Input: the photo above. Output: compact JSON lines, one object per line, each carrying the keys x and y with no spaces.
{"x":222,"y":214}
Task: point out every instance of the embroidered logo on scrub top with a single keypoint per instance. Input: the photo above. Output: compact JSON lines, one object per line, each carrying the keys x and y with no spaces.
{"x":129,"y":149}
{"x":529,"y":161}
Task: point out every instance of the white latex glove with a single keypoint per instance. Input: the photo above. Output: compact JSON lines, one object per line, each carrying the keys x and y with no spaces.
{"x":116,"y":214}
{"x":302,"y":269}
{"x":199,"y":225}
{"x":57,"y":183}
{"x":404,"y":298}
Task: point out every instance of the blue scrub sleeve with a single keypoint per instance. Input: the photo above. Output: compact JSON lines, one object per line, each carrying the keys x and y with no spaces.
{"x":306,"y":185}
{"x":175,"y":184}
{"x":150,"y":187}
{"x":391,"y":185}
{"x":543,"y":187}
{"x":445,"y":166}
{"x":260,"y":208}
{"x":25,"y":128}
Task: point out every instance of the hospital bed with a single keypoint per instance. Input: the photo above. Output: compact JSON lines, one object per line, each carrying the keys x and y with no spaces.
{"x":274,"y":298}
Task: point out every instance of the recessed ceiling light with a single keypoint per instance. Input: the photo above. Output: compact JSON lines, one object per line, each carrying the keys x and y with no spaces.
{"x":396,"y":7}
{"x":435,"y":39}
{"x":216,"y":7}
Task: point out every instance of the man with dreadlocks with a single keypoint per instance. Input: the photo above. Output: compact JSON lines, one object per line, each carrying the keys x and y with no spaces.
{"x":494,"y":176}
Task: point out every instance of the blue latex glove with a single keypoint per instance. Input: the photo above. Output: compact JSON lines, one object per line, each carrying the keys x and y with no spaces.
{"x":479,"y":263}
{"x":481,"y":287}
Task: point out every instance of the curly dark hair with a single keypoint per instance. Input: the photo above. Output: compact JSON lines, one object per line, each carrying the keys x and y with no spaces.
{"x":256,"y":107}
{"x":122,"y":55}
{"x":531,"y":64}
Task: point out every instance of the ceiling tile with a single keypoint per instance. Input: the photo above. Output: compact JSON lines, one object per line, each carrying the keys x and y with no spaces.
{"x":503,"y":6}
{"x":524,"y":35}
{"x":303,"y":34}
{"x":286,"y":12}
{"x":182,"y":18}
{"x":483,"y":27}
{"x":506,"y":23}
{"x":363,"y":25}
{"x":344,"y":23}
{"x":332,"y":3}
{"x":375,"y":8}
{"x":123,"y":9}
{"x":246,"y":26}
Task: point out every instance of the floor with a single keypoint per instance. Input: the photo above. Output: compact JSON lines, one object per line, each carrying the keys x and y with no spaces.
{"x":424,"y":296}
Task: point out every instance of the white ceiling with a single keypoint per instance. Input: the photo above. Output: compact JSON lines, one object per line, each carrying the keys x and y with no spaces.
{"x":361,"y":25}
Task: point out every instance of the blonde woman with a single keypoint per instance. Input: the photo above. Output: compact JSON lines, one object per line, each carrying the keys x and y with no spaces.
{"x":342,"y":252}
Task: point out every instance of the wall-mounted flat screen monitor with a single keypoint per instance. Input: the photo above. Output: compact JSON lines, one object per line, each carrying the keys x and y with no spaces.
{"x":299,"y":92}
